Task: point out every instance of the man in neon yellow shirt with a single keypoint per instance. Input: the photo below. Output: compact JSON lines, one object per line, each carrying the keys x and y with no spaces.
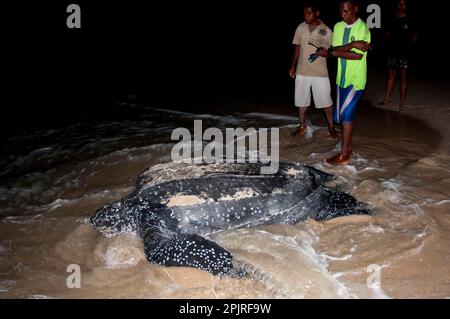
{"x":351,"y":40}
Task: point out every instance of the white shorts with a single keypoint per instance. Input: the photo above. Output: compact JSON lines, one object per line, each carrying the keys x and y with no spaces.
{"x":321,"y":89}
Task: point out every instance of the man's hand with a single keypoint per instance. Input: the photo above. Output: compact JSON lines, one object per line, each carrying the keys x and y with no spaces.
{"x":322,"y":52}
{"x":361,"y":45}
{"x":292,"y":73}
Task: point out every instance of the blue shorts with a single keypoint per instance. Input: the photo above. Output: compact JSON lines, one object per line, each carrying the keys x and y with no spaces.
{"x":346,"y":102}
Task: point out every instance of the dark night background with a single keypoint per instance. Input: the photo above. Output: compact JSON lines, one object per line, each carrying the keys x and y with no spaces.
{"x":184,"y":54}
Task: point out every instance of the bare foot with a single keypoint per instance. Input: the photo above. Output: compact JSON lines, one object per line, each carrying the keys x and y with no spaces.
{"x":299,"y":132}
{"x":333,"y":134}
{"x":401,"y":108}
{"x":385,"y":102}
{"x":338,"y":159}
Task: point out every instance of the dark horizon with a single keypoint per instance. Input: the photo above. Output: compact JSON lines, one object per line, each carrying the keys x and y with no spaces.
{"x":169,"y":54}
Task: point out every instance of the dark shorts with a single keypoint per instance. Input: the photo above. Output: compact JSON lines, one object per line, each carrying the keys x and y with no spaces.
{"x":398,"y":63}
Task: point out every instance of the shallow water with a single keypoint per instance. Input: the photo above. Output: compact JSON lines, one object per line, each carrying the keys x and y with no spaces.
{"x":53,"y":181}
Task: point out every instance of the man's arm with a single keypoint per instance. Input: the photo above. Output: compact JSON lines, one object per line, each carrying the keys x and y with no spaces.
{"x":344,"y":48}
{"x":341,"y":52}
{"x":295,"y":58}
{"x":344,"y":51}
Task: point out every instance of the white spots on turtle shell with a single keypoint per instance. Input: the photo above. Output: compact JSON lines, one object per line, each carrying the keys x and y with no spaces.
{"x":295,"y":172}
{"x":278,"y":191}
{"x":246,"y":192}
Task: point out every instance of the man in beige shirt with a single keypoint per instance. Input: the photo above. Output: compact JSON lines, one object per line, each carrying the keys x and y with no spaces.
{"x":309,"y":70}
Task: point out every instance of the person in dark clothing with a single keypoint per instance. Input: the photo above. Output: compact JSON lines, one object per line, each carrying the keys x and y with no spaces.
{"x":401,"y":36}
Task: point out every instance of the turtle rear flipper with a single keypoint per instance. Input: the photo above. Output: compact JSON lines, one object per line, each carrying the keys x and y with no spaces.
{"x":325,"y":204}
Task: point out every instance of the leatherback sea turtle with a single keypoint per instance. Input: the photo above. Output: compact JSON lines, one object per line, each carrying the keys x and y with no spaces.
{"x":175,"y":204}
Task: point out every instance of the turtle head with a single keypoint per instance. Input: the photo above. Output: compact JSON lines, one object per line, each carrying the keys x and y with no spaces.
{"x":113,"y":219}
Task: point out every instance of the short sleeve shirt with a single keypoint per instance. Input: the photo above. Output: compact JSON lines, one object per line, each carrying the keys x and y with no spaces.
{"x":320,"y":36}
{"x":402,"y":30}
{"x":351,"y":72}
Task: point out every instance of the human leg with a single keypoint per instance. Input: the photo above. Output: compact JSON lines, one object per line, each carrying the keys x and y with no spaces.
{"x":302,"y":101}
{"x":347,"y":135}
{"x":321,"y":90}
{"x":329,"y":115}
{"x":345,"y":155}
{"x":392,"y":74}
{"x":347,"y":101}
{"x":403,"y":88}
{"x":303,"y":112}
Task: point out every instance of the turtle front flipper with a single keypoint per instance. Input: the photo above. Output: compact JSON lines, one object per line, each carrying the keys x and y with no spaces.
{"x":169,"y":248}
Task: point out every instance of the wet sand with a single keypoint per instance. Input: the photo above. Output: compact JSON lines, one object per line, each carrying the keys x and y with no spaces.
{"x":400,"y":168}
